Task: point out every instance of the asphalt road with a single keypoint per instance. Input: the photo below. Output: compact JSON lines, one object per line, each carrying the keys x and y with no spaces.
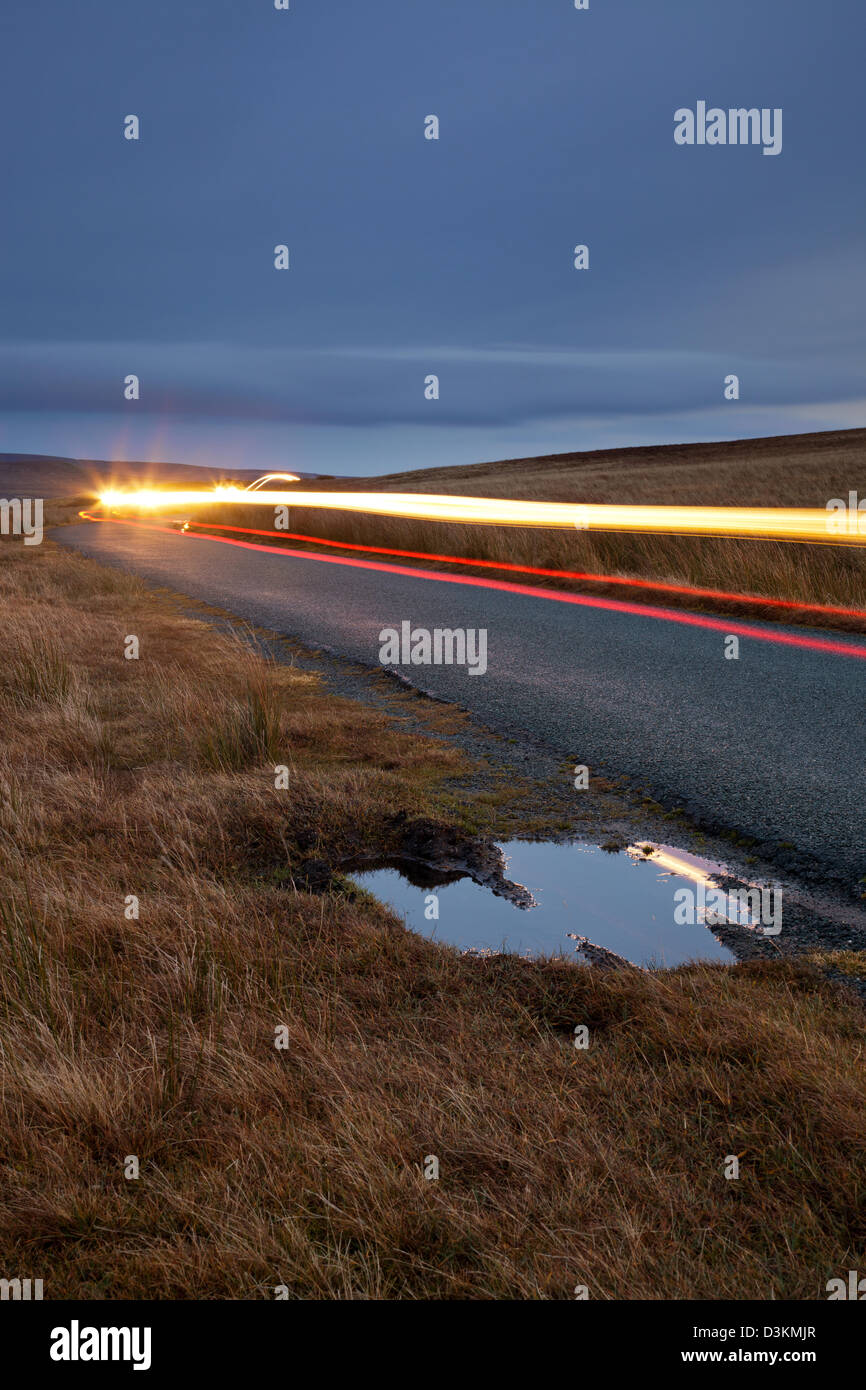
{"x":770,"y":744}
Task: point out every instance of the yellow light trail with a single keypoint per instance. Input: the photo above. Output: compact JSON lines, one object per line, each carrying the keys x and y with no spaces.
{"x":774,"y":523}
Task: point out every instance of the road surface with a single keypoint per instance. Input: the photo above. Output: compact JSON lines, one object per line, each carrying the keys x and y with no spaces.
{"x":770,"y":744}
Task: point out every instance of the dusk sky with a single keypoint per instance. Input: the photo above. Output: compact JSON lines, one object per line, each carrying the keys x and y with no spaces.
{"x":411,"y":256}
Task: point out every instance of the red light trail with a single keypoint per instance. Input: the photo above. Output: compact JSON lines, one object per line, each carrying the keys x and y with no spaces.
{"x":729,"y":627}
{"x":689,"y":590}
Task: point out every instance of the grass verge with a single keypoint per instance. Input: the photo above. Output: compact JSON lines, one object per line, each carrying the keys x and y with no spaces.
{"x":303,"y":1166}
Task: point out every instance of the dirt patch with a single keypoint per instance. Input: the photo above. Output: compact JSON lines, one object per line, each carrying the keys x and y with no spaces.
{"x":431,"y":853}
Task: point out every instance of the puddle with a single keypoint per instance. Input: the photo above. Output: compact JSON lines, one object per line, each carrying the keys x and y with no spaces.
{"x":623,"y":902}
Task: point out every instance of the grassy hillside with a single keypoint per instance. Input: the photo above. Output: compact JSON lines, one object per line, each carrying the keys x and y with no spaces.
{"x":797,"y":470}
{"x":42,"y":475}
{"x":793,"y":471}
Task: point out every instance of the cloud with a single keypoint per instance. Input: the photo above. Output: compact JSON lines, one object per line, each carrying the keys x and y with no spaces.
{"x":480,"y":387}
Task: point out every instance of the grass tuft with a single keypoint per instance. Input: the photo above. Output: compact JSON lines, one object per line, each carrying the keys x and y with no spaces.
{"x":40,"y":672}
{"x":247,"y":732}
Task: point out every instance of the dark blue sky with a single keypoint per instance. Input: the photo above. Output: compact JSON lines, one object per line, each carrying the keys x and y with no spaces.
{"x":411,"y":256}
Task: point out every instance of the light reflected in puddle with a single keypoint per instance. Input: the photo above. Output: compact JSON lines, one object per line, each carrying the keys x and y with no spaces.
{"x":622,"y":901}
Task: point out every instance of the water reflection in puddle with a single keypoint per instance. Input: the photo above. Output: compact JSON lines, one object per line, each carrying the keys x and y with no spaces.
{"x":622,"y":901}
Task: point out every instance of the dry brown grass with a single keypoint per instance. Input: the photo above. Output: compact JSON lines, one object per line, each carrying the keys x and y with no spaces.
{"x":793,"y":471}
{"x":303,"y":1167}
